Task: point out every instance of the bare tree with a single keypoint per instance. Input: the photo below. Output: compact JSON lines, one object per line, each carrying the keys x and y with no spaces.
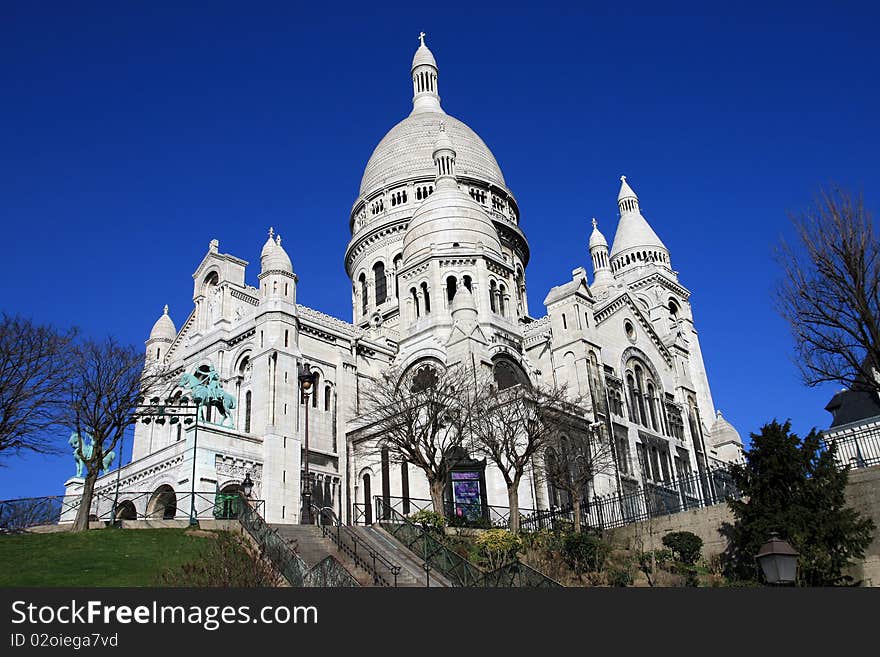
{"x":512,"y":425}
{"x":574,"y":456}
{"x":830,"y":292}
{"x":419,"y":417}
{"x":105,"y":384}
{"x":33,"y":376}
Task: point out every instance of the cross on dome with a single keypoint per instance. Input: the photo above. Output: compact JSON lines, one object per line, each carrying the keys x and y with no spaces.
{"x":166,"y":309}
{"x":595,"y":223}
{"x":271,"y":232}
{"x":623,"y":179}
{"x":278,"y":239}
{"x":422,"y":38}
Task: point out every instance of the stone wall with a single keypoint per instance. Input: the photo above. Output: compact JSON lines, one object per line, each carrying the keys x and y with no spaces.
{"x":862,"y":493}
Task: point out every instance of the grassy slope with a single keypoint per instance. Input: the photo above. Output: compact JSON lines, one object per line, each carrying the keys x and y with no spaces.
{"x":102,"y":557}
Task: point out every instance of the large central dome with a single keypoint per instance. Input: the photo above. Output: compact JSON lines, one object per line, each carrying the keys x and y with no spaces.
{"x":405,"y":152}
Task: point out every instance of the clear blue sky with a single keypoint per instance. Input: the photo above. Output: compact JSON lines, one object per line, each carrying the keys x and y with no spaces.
{"x":131,"y":134}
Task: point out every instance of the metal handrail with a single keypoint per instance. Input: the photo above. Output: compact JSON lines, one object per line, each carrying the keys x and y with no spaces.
{"x":368,"y":563}
{"x":458,"y":570}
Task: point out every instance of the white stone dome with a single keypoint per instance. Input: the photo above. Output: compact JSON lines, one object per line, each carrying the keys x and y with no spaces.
{"x":723,"y":432}
{"x":164,"y":328}
{"x":274,"y":257}
{"x":406,"y":152}
{"x":448,"y":218}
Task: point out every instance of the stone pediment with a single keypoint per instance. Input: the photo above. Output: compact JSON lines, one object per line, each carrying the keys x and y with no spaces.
{"x":625,"y":301}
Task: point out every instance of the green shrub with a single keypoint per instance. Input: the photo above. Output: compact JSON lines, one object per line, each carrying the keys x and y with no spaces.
{"x":585,"y":553}
{"x":428,"y":520}
{"x":228,"y":562}
{"x":685,"y":546}
{"x":620,"y":576}
{"x":498,"y":546}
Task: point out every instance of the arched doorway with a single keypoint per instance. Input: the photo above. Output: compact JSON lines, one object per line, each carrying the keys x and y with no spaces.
{"x":228,"y":502}
{"x":163,"y":503}
{"x":126,"y":511}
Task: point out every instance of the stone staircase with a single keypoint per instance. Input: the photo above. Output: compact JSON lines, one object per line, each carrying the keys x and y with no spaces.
{"x":312,"y":547}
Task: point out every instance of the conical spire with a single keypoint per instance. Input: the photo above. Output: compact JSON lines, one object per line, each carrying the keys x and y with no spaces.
{"x":424,"y":70}
{"x":599,"y":256}
{"x":635,"y":242}
{"x":596,"y":237}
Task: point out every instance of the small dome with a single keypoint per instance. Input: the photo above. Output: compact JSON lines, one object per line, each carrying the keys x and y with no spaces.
{"x":596,"y":237}
{"x":273,"y":256}
{"x":424,"y":56}
{"x":164,"y":328}
{"x":723,"y":432}
{"x":449,"y":217}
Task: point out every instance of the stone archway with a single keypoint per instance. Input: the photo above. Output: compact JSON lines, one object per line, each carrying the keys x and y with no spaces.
{"x":163,"y":503}
{"x":126,"y":510}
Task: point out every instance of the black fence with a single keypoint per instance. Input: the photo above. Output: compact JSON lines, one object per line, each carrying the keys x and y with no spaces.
{"x":861,"y":450}
{"x":650,"y":500}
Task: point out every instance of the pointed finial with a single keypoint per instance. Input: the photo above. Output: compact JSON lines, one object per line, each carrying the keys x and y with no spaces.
{"x":166,"y":309}
{"x":595,"y":223}
{"x":213,"y":245}
{"x":271,"y":232}
{"x":278,"y":239}
{"x":442,"y":126}
{"x":422,"y":38}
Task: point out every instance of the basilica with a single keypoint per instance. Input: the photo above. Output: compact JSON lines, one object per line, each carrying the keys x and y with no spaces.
{"x":438,"y":260}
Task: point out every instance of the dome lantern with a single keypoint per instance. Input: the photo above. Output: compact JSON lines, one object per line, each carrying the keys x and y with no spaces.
{"x":424,"y":77}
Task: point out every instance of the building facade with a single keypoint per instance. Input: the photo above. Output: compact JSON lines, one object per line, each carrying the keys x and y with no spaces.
{"x":437,"y":260}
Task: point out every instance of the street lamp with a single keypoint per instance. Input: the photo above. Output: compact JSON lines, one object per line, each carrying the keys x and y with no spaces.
{"x":778,"y":560}
{"x":172,"y":411}
{"x":307,"y":384}
{"x":247,"y":485}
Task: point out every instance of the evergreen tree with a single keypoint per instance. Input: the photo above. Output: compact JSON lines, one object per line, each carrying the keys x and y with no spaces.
{"x":795,"y":488}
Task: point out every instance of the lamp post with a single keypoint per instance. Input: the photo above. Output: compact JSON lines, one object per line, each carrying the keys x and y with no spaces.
{"x":307,"y":383}
{"x":778,"y":560}
{"x":173,"y":412}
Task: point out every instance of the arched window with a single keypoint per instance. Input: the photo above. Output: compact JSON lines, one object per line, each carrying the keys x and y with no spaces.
{"x":501,"y":292}
{"x":398,"y":259}
{"x":493,"y":290}
{"x":451,"y":285}
{"x":286,"y":337}
{"x":640,"y":387}
{"x":247,"y":412}
{"x":652,"y":406}
{"x":379,"y":281}
{"x":631,"y":391}
{"x":427,"y":298}
{"x":365,"y":302}
{"x":467,"y":283}
{"x":328,"y":391}
{"x":415,"y":300}
{"x":368,"y":503}
{"x":315,"y":389}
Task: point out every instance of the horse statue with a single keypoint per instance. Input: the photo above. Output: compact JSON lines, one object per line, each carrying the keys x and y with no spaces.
{"x":206,"y":391}
{"x":88,"y":448}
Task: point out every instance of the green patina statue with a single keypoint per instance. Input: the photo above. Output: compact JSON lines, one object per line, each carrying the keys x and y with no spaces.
{"x":206,"y":391}
{"x":88,"y":448}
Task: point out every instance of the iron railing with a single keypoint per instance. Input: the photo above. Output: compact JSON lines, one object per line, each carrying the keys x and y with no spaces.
{"x":329,"y":573}
{"x":20,"y":514}
{"x":457,"y":514}
{"x":383,"y":571}
{"x":857,"y":450}
{"x":650,"y":500}
{"x":279,"y":551}
{"x":436,"y":555}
